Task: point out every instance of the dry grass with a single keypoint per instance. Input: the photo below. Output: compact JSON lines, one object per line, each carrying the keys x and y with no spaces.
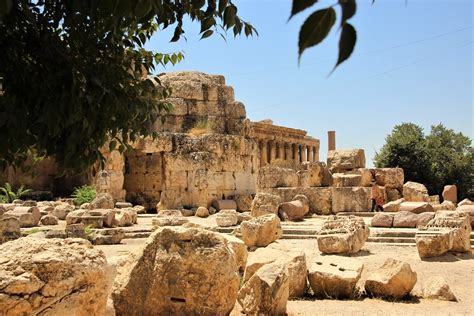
{"x":203,"y":126}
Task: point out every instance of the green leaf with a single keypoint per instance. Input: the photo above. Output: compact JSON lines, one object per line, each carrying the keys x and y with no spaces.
{"x":346,"y":43}
{"x":348,"y":8}
{"x":229,"y":16}
{"x":300,"y":5}
{"x":5,"y":7}
{"x":222,"y":6}
{"x":207,"y":34}
{"x":315,"y":29}
{"x":207,"y":24}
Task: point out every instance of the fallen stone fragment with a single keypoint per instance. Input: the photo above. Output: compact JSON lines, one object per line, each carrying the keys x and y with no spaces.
{"x":438,"y":289}
{"x":261,"y":231}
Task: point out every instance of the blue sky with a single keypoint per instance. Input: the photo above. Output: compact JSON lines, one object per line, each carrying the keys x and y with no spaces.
{"x":412,"y":63}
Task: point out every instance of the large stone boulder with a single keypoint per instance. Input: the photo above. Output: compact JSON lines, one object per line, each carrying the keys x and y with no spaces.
{"x":433,"y":243}
{"x":382,"y":220}
{"x":275,"y":177}
{"x":334,"y":276}
{"x":416,"y":207}
{"x":355,"y":199}
{"x":467,"y":209}
{"x":244,"y":202}
{"x":202,"y":212}
{"x":108,"y":236}
{"x":316,"y":173}
{"x":450,"y":193}
{"x":227,"y":218}
{"x":391,"y":178}
{"x":169,"y":221}
{"x":261,"y":231}
{"x":240,"y":251}
{"x":265,"y":203}
{"x":266,"y":292}
{"x":415,"y":192}
{"x":178,"y":271}
{"x":394,"y":279}
{"x":224,"y":205}
{"x":341,"y":180}
{"x":293,"y":211}
{"x":29,"y":216}
{"x":49,"y":219}
{"x":9,"y":228}
{"x":405,"y":219}
{"x":53,"y":277}
{"x":393,"y":194}
{"x":62,"y":209}
{"x":293,"y":260}
{"x":345,"y":159}
{"x":436,"y":288}
{"x":103,"y":201}
{"x":345,"y":234}
{"x":393,"y":206}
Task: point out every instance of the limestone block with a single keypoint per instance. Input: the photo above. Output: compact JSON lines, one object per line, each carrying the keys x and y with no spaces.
{"x":265,"y":203}
{"x":393,"y":194}
{"x":180,"y":107}
{"x":394,"y":279}
{"x":292,"y":211}
{"x":212,"y":108}
{"x":346,"y":180}
{"x":416,"y":207}
{"x":274,"y":177}
{"x":415,"y":192}
{"x":467,"y":209}
{"x":466,"y":201}
{"x":244,"y":216}
{"x":239,"y":249}
{"x":243,"y":202}
{"x":355,"y":199}
{"x":436,"y":288}
{"x":433,"y":244}
{"x":334,"y":276}
{"x":266,"y":293}
{"x":261,"y":231}
{"x":235,"y":110}
{"x":226,"y":218}
{"x":224,"y":205}
{"x":162,"y":143}
{"x":365,"y":176}
{"x":382,"y":220}
{"x":111,"y":236}
{"x":391,"y":178}
{"x":191,"y":271}
{"x":108,"y":216}
{"x":49,"y":219}
{"x":74,"y":217}
{"x":76,"y":231}
{"x":294,"y":261}
{"x":393,"y":206}
{"x":411,"y":220}
{"x":345,"y":159}
{"x":61,"y":210}
{"x":202,"y":212}
{"x":29,"y":216}
{"x":34,"y":282}
{"x":450,"y":193}
{"x":346,"y":234}
{"x":102,"y":201}
{"x":226,"y":94}
{"x":245,"y":182}
{"x":319,"y":198}
{"x":169,"y":221}
{"x":9,"y":228}
{"x":315,"y":172}
{"x":303,"y":178}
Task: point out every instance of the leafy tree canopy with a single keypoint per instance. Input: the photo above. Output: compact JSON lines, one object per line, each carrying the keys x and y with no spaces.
{"x":440,"y":158}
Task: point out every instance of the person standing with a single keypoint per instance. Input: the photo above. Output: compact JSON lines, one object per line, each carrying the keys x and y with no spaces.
{"x":377,"y":199}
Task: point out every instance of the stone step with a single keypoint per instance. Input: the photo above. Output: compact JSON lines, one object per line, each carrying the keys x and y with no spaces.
{"x":361,"y":214}
{"x":302,"y":232}
{"x":392,"y":233}
{"x":399,"y":240}
{"x":293,"y":236}
{"x":136,"y":235}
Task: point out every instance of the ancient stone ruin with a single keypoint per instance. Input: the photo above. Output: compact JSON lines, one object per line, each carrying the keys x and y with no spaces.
{"x":342,"y":235}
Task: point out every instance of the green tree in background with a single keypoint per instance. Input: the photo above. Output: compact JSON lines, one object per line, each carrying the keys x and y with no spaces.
{"x":440,"y":158}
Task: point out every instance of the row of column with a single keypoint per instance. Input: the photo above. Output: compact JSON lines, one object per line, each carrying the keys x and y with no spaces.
{"x":271,"y":150}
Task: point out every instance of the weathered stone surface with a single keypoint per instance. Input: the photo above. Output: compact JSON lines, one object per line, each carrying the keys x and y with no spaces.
{"x":76,"y":231}
{"x":445,"y":206}
{"x":382,"y":220}
{"x":467,"y":209}
{"x":123,"y":204}
{"x":315,"y":173}
{"x":411,"y":220}
{"x":319,"y":199}
{"x":450,"y":193}
{"x":466,"y":201}
{"x":265,"y":203}
{"x":224,"y":205}
{"x":433,"y":244}
{"x":392,"y":178}
{"x":355,"y":199}
{"x":226,"y":218}
{"x":53,"y":277}
{"x":29,"y":216}
{"x":292,"y":211}
{"x":274,"y":177}
{"x":49,"y":219}
{"x":202,"y":212}
{"x":437,"y":288}
{"x":188,"y":271}
{"x":245,"y":216}
{"x":394,"y":279}
{"x":74,"y":217}
{"x":109,"y":236}
{"x":365,"y":176}
{"x":261,"y":231}
{"x":239,"y":249}
{"x":266,"y":292}
{"x":293,"y":260}
{"x":9,"y":228}
{"x":345,"y":159}
{"x":346,"y":234}
{"x":164,"y":213}
{"x":140,"y":209}
{"x":102,"y":200}
{"x":108,"y":216}
{"x":434,"y":199}
{"x":334,"y":276}
{"x":124,"y":217}
{"x":244,"y":202}
{"x":415,"y":192}
{"x":341,"y":180}
{"x":393,"y":194}
{"x":169,"y":221}
{"x":393,"y":206}
{"x":188,"y":213}
{"x":416,"y":207}
{"x":61,"y":210}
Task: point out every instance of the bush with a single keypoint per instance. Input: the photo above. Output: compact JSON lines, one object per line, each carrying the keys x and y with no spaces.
{"x":8,"y":195}
{"x":84,"y":194}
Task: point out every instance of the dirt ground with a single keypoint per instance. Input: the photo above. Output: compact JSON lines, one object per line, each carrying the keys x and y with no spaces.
{"x":458,"y":270}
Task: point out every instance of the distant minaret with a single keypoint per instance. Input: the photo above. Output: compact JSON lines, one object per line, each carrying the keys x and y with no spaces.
{"x":331,"y":140}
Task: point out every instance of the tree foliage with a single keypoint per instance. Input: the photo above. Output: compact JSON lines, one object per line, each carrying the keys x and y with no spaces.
{"x":73,"y":74}
{"x":437,"y":159}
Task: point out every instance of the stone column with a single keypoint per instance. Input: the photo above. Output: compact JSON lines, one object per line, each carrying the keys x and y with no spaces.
{"x":316,"y":153}
{"x":281,"y":151}
{"x":297,"y":153}
{"x":272,"y":155}
{"x":288,"y":151}
{"x":263,"y":153}
{"x":303,"y":153}
{"x":331,"y":140}
{"x":310,"y":153}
